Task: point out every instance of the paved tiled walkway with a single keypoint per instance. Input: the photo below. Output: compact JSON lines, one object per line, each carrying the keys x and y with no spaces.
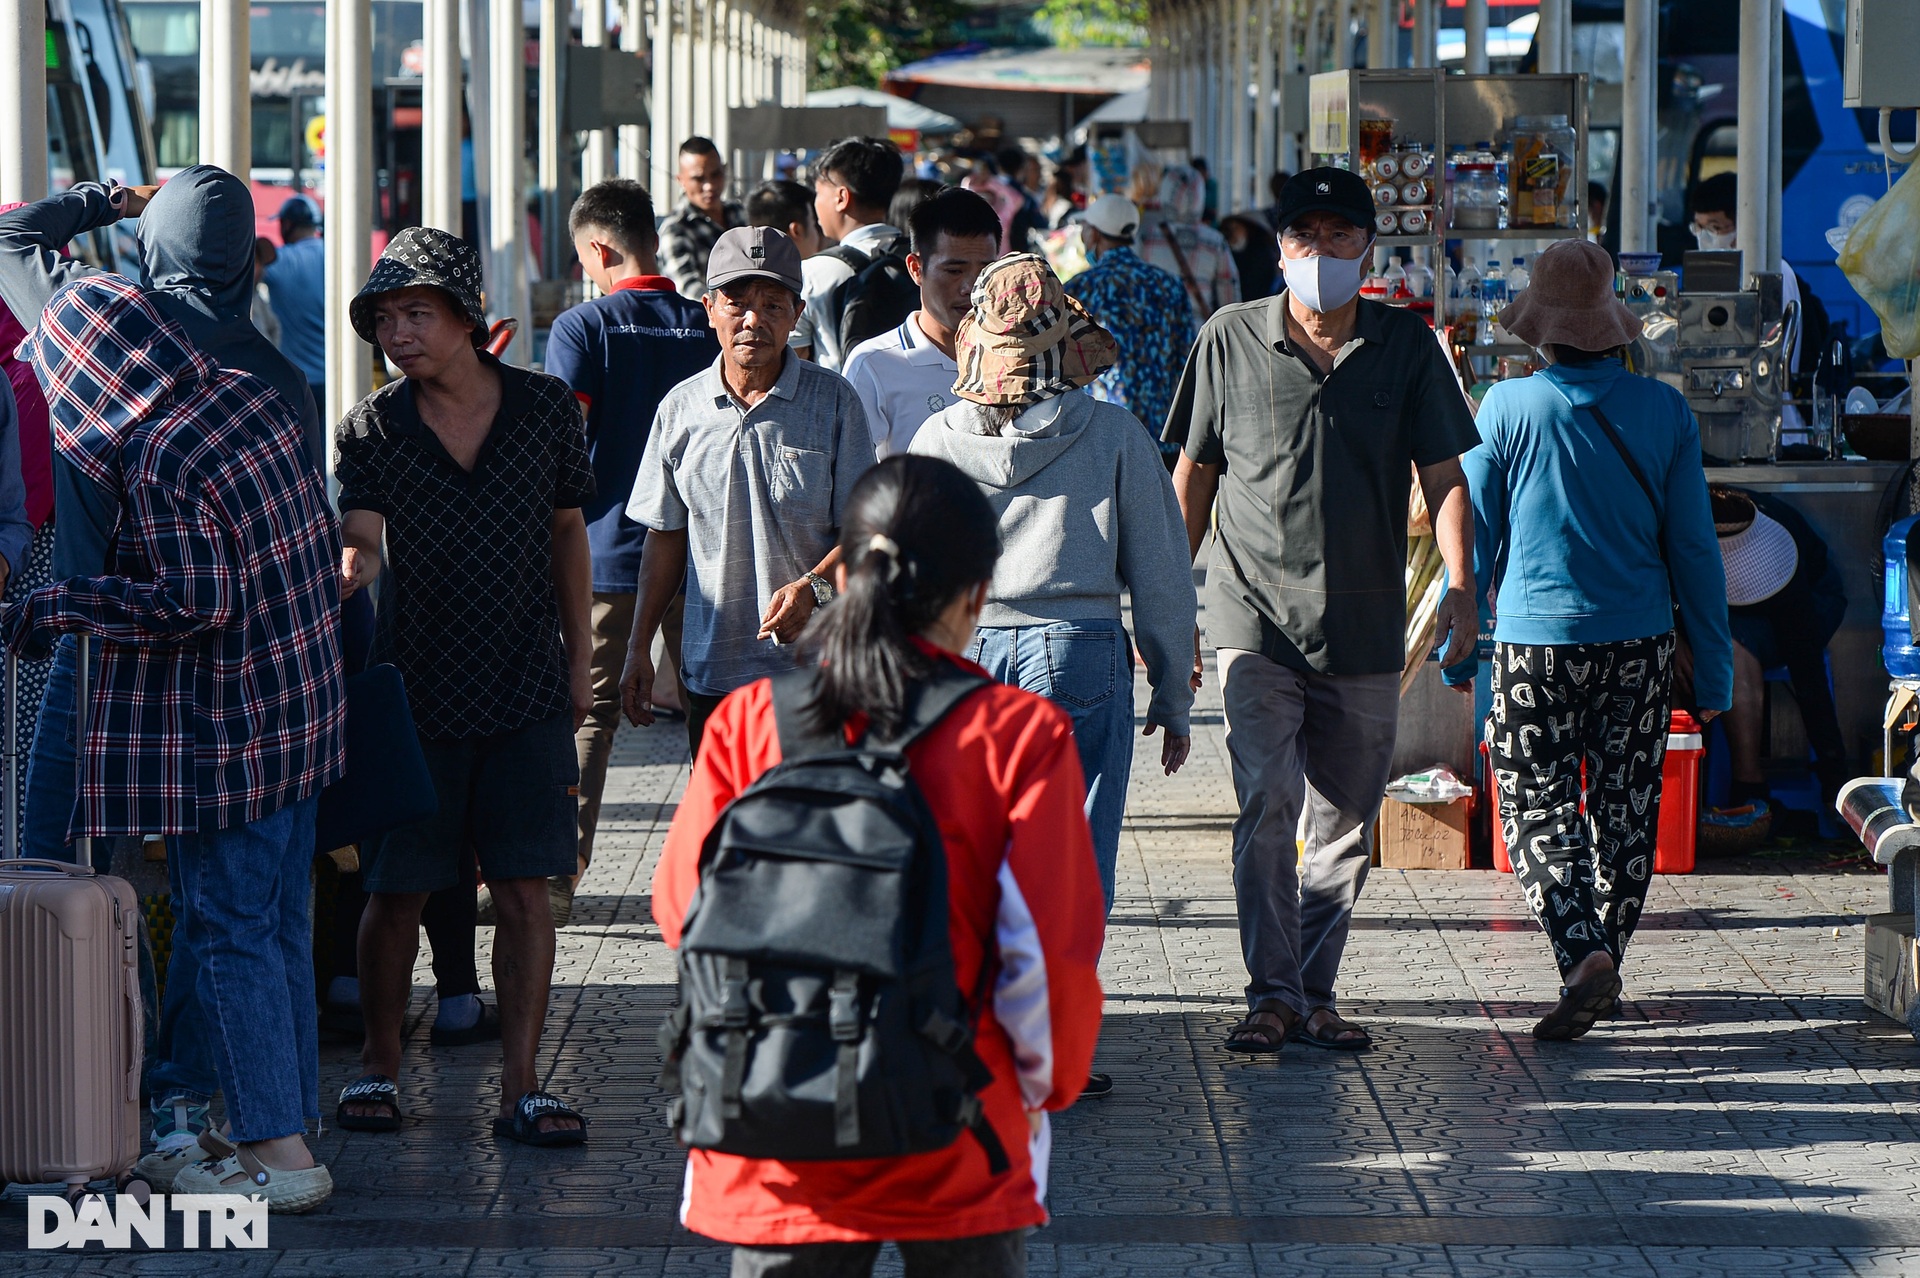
{"x":1747,"y":1119}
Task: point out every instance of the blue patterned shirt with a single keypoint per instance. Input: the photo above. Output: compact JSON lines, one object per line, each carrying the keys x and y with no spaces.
{"x":1147,"y":312}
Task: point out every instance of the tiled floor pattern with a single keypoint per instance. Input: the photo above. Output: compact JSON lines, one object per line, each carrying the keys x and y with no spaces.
{"x":1746,"y":1119}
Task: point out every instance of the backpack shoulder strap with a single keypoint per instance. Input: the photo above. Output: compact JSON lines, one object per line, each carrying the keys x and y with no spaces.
{"x":933,"y":698}
{"x":793,"y":697}
{"x":853,"y":257}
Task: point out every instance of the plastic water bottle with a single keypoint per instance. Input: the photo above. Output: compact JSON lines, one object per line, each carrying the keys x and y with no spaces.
{"x":1518,"y":278}
{"x":1394,"y":278}
{"x":1493,"y":296}
{"x":1897,"y":651}
{"x":1466,"y":292}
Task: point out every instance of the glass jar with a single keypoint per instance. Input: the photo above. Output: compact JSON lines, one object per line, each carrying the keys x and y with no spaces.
{"x":1476,"y":198}
{"x":1543,"y":161}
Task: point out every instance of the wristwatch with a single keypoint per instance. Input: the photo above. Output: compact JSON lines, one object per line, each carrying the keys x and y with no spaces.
{"x":822,"y":589}
{"x":116,"y":197}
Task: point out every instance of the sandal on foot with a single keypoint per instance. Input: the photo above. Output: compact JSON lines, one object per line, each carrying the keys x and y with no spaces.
{"x":370,"y":1089}
{"x":1257,"y":1038}
{"x":1332,"y":1036}
{"x":486,"y":1029}
{"x":239,"y":1172}
{"x":524,"y":1125}
{"x":1579,"y":1007}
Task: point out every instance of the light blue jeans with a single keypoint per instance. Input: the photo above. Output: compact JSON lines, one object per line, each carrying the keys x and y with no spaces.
{"x":180,"y":1050}
{"x":1085,"y":668}
{"x":242,"y":909}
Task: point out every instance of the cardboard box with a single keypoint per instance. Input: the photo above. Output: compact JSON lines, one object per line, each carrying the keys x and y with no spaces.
{"x":1893,"y":976}
{"x":1423,"y":836}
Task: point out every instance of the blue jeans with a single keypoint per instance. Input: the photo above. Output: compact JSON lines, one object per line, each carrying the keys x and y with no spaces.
{"x":181,"y":1059}
{"x":1085,"y":668}
{"x":52,"y":772}
{"x":242,"y":909}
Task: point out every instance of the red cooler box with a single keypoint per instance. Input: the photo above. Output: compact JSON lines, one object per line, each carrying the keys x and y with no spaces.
{"x":1679,"y":801}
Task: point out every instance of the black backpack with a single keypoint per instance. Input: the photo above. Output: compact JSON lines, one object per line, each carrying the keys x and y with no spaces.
{"x":877,"y":299}
{"x":819,"y":1017}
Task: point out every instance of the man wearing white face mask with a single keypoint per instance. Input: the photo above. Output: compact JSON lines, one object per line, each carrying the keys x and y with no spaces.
{"x":1715,"y":204}
{"x":1305,"y":415}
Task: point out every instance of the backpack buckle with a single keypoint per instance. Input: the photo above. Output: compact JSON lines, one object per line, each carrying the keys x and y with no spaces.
{"x":843,"y":1007}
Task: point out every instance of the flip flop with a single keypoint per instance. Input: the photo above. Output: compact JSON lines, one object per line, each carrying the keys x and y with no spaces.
{"x":1328,"y":1037}
{"x":1579,"y":1007}
{"x":370,"y":1089}
{"x":524,"y":1125}
{"x":1271,"y":1038}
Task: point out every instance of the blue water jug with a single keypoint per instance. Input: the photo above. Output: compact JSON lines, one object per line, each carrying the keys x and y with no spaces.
{"x":1897,"y":651}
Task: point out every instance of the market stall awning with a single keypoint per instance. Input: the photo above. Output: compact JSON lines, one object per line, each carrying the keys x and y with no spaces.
{"x":901,"y":113}
{"x":1102,"y":72}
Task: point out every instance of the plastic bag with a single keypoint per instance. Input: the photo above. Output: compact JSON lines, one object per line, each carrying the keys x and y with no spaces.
{"x":1438,"y":784}
{"x":1882,"y":262}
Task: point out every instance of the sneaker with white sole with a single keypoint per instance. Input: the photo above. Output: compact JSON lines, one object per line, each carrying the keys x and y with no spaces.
{"x":286,"y":1192}
{"x":179,"y":1121}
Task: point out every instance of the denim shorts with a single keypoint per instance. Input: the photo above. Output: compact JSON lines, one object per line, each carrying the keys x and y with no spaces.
{"x":512,"y":798}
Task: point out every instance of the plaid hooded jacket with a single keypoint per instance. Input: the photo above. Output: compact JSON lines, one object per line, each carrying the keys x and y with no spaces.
{"x":221,"y":696}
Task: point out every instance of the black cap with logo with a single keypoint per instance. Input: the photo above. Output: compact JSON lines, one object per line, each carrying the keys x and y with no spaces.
{"x":1326,"y":190}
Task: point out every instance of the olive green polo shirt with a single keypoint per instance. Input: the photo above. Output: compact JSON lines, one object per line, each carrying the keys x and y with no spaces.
{"x":1309,"y":554}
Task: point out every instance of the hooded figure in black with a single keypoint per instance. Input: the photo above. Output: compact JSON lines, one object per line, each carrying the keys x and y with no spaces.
{"x":196,"y":263}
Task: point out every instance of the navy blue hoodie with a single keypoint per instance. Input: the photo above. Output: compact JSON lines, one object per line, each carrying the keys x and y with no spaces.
{"x":196,"y":262}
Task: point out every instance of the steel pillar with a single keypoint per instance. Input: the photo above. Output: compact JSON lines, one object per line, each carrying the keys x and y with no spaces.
{"x":440,"y":99}
{"x":226,"y":86}
{"x":23,"y":108}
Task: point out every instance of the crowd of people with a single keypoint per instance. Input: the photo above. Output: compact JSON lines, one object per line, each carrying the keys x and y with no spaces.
{"x":863,"y":431}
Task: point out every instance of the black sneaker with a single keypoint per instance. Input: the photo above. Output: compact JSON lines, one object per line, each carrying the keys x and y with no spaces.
{"x":1097,"y":1085}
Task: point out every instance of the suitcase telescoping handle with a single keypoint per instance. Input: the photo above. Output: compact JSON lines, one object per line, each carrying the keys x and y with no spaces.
{"x":10,"y":752}
{"x":82,"y":704}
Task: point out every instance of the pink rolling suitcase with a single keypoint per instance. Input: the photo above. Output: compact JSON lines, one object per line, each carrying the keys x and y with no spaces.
{"x":71,"y":1021}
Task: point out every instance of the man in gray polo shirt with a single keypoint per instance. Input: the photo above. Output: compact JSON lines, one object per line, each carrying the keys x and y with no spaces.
{"x":742,"y":486}
{"x":1306,"y":415}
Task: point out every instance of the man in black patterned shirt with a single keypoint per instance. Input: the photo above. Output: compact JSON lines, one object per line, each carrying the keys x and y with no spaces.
{"x":473,"y":474}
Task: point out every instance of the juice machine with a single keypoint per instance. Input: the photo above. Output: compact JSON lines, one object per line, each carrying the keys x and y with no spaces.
{"x":1723,"y":351}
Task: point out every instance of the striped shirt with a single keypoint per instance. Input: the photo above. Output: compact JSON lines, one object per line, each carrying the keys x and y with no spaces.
{"x":221,"y":697}
{"x":760,"y":493}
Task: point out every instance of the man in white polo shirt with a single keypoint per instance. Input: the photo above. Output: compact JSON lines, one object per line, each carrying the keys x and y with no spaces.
{"x":906,"y":375}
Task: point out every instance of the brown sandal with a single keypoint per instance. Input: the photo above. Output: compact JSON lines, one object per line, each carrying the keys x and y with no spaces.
{"x":1256,"y":1038}
{"x":1329,"y":1037}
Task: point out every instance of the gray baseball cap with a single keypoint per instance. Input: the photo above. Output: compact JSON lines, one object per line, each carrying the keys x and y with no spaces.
{"x":755,"y":252}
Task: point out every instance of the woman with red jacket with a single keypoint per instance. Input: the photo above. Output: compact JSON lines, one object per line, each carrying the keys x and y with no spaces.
{"x":1025,"y":910}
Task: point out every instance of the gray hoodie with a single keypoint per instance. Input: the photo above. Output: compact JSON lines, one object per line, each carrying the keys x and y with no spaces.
{"x":1086,"y":511}
{"x":196,"y":260}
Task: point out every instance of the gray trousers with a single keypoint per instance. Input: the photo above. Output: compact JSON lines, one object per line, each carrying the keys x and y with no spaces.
{"x":1325,"y":742}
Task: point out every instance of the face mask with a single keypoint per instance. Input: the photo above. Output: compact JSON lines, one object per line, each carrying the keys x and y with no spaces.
{"x":1713,"y":241}
{"x":1324,"y":283}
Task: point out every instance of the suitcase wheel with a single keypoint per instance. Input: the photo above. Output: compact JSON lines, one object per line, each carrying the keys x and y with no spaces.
{"x":136,"y":1187}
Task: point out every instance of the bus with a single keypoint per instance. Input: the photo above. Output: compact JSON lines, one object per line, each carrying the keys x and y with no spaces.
{"x":289,"y":83}
{"x":97,"y":114}
{"x":1832,"y":169}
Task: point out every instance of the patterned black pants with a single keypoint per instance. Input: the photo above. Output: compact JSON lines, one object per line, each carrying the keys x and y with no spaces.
{"x":1581,"y":840}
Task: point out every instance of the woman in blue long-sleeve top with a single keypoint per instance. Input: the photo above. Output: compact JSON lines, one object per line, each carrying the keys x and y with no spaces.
{"x":1586,"y":555}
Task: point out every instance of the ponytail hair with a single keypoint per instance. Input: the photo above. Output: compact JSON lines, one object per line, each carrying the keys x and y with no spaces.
{"x":916,"y":534}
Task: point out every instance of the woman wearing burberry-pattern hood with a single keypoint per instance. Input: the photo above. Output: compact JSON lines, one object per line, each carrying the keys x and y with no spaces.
{"x":1086,"y":512}
{"x":1592,"y":528}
